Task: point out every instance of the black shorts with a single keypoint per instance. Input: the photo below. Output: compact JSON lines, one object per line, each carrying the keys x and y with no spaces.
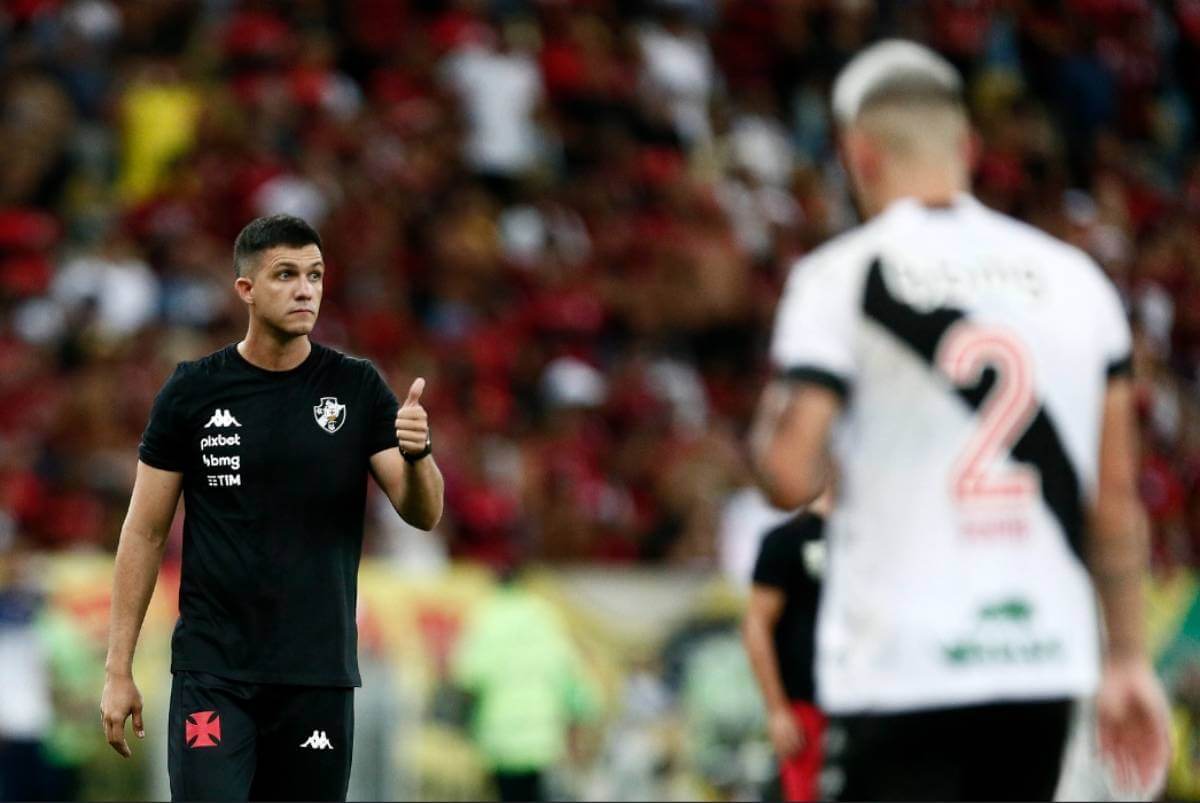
{"x":1006,"y":751}
{"x":229,"y":740}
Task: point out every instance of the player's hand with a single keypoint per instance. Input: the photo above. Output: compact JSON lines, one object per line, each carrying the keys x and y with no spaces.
{"x":412,"y":422}
{"x":787,"y":738}
{"x":1133,"y":721}
{"x":120,"y":699}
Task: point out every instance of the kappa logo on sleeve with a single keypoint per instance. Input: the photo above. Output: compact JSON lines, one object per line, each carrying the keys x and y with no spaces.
{"x":222,"y":418}
{"x":330,"y":415}
{"x":203,"y":729}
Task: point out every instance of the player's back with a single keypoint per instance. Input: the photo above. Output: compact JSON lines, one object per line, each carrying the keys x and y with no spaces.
{"x":974,"y":353}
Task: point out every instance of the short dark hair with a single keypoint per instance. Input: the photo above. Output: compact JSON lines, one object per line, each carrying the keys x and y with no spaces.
{"x":264,"y":233}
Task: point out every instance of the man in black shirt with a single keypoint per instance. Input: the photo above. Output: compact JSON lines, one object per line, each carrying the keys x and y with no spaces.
{"x":779,"y":633}
{"x":270,"y":442}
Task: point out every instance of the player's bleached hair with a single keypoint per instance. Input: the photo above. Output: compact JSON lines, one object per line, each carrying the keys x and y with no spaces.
{"x":905,"y":96}
{"x":264,"y":233}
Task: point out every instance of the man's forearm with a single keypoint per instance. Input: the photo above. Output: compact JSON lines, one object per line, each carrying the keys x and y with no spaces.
{"x":1118,"y":560}
{"x":138,"y":559}
{"x":761,"y":649}
{"x":424,"y":487}
{"x":788,"y":442}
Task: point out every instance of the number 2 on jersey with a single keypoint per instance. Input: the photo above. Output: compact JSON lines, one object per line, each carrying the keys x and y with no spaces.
{"x":981,"y":473}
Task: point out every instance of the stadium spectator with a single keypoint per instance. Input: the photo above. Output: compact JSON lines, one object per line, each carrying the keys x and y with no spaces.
{"x":527,"y":688}
{"x":501,"y":91}
{"x":26,"y":714}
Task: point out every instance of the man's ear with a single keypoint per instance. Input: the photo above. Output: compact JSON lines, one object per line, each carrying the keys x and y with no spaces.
{"x":861,"y":156}
{"x":973,"y":150}
{"x":245,"y":289}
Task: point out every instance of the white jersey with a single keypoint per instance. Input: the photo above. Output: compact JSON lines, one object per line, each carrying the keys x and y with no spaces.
{"x":973,"y":353}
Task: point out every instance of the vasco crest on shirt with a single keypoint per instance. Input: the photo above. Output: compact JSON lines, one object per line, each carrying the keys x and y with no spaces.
{"x":330,"y":414}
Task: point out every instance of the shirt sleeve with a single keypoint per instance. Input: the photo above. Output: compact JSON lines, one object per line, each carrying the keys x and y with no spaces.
{"x":164,"y":442}
{"x":381,"y":431}
{"x":1114,"y":334}
{"x":774,"y":565}
{"x":813,"y":338}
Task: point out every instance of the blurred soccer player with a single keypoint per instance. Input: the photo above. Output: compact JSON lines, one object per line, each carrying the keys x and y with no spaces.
{"x":778,"y":631}
{"x":270,"y":441}
{"x":971,"y":375}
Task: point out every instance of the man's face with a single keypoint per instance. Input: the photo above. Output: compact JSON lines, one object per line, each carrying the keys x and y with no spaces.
{"x":284,"y":289}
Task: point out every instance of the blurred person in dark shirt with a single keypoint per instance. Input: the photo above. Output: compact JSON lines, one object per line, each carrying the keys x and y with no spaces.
{"x":779,"y":634}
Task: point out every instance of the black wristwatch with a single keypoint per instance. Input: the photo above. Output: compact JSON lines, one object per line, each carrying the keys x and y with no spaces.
{"x":413,"y":457}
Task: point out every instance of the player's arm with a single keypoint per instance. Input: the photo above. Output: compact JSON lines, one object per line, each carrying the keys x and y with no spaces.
{"x":758,"y":626}
{"x":789,"y":441}
{"x":1118,"y":548}
{"x":415,"y":488}
{"x":813,"y":357}
{"x":139,"y":553}
{"x":1131,"y":709}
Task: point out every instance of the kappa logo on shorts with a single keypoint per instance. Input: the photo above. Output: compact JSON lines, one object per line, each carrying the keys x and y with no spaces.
{"x":318,"y":741}
{"x":203,"y":729}
{"x":329,"y":414}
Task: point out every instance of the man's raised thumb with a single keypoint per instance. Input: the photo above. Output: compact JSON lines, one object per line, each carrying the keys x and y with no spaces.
{"x":414,"y":392}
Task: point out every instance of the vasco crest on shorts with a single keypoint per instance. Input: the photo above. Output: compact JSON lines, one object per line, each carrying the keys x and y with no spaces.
{"x":330,"y":414}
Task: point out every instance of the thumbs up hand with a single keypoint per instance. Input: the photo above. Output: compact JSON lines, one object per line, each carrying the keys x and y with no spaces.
{"x":414,"y":392}
{"x":412,"y":423}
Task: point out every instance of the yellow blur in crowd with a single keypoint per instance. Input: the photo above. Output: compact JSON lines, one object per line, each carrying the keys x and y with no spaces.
{"x":158,"y":122}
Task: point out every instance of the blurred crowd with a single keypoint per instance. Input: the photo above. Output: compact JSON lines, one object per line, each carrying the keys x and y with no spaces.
{"x":573,"y":217}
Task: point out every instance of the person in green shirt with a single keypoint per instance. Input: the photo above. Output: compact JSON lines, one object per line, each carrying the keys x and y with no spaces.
{"x":527,"y":685}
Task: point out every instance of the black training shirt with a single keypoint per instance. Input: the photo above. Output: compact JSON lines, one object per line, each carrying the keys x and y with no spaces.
{"x":786,"y":561}
{"x":275,"y":467}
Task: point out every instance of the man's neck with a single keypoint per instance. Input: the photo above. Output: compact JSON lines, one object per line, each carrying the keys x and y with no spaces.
{"x":273,"y":353}
{"x":927,"y":187}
